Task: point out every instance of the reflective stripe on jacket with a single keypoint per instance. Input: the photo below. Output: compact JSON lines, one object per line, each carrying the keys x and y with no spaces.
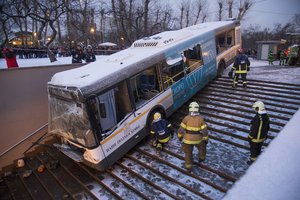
{"x":241,"y":64}
{"x":161,"y":129}
{"x":260,"y":126}
{"x":193,"y":129}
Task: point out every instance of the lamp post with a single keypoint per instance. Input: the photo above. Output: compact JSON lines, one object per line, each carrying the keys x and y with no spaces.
{"x":92,"y":32}
{"x":34,"y":40}
{"x":122,"y":42}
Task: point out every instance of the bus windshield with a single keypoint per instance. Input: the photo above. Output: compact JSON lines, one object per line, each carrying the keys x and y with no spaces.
{"x":70,"y":120}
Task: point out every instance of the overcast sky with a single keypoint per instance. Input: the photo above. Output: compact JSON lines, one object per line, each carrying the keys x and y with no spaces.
{"x":268,"y":12}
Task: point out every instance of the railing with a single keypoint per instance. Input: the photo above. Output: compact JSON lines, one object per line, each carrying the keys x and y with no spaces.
{"x":25,"y":139}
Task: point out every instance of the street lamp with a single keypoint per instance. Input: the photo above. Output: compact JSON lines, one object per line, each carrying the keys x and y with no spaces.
{"x":122,"y":42}
{"x":92,"y":30}
{"x":34,"y":40}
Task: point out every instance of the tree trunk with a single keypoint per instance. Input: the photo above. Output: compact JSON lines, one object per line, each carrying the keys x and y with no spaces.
{"x":220,"y":10}
{"x":181,"y":17}
{"x":146,"y":10}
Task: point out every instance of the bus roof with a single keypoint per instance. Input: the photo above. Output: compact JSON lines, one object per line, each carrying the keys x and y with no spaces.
{"x":108,"y":70}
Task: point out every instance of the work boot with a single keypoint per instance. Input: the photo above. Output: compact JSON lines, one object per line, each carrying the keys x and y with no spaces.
{"x":188,"y":170}
{"x":249,"y":162}
{"x":158,"y":148}
{"x":200,"y":160}
{"x":244,"y":85}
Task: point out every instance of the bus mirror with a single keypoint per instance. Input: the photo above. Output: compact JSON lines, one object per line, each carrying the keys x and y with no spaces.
{"x":102,"y":110}
{"x":172,"y":61}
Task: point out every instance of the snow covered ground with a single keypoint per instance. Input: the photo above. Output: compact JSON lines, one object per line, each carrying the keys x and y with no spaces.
{"x":275,"y":175}
{"x":266,"y":72}
{"x":34,"y":62}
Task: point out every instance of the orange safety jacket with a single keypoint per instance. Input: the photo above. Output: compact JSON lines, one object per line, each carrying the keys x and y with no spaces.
{"x":193,"y":129}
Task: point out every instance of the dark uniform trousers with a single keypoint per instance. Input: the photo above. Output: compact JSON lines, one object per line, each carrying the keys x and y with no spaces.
{"x":260,"y":125}
{"x":188,"y":150}
{"x":241,"y":67}
{"x":236,"y":79}
{"x":255,"y":149}
{"x":193,"y":129}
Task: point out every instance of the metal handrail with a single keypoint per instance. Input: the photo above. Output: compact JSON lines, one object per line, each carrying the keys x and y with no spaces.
{"x":33,"y":133}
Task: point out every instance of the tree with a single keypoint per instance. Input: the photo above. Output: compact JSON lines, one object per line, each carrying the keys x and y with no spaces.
{"x":46,"y":12}
{"x":220,"y":3}
{"x":192,"y":11}
{"x":296,"y":21}
{"x":244,"y":7}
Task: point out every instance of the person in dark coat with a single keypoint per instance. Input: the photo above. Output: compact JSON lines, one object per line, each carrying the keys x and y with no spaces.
{"x":10,"y":58}
{"x":162,"y":130}
{"x":90,"y":55}
{"x":78,"y":54}
{"x":241,"y":66}
{"x":259,"y":128}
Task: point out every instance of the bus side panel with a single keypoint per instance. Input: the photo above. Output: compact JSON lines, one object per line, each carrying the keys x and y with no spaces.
{"x":200,"y":78}
{"x":131,"y":131}
{"x":184,"y":89}
{"x":124,"y":148}
{"x":179,"y":91}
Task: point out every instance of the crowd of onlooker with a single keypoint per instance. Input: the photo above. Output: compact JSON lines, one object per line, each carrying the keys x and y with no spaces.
{"x":11,"y":54}
{"x":30,"y":52}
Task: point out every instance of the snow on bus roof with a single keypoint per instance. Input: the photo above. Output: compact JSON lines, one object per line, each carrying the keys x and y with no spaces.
{"x":140,"y":49}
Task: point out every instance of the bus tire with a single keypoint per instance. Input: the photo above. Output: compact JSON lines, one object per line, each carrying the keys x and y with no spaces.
{"x":221,"y":68}
{"x":150,"y":118}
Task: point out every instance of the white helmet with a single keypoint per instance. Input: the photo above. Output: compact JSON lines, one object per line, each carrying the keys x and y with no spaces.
{"x":194,"y":107}
{"x":157,"y":116}
{"x":89,"y":47}
{"x":259,"y":106}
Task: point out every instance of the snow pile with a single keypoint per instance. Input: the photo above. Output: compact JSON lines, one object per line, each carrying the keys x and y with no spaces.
{"x":275,"y":175}
{"x":34,"y":62}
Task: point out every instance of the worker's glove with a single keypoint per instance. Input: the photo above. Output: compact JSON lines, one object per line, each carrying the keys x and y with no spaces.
{"x":248,"y":69}
{"x":180,"y":136}
{"x":206,"y":141}
{"x":172,"y":133}
{"x":249,"y":139}
{"x":154,"y":143}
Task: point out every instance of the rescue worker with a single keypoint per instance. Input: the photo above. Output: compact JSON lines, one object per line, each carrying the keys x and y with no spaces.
{"x":270,"y":57}
{"x":78,"y":54}
{"x":162,"y":131}
{"x":10,"y":57}
{"x":286,"y":53}
{"x":241,"y":66}
{"x":281,"y":58}
{"x":90,"y":55}
{"x":193,"y":132}
{"x":259,"y":128}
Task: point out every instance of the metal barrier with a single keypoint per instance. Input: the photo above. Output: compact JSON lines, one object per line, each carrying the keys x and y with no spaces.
{"x":23,"y":107}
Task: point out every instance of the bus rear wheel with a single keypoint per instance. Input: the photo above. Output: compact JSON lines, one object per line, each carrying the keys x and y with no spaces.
{"x":221,"y":68}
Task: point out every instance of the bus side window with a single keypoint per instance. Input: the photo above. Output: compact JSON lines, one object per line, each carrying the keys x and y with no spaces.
{"x":102,"y":110}
{"x":172,"y":70}
{"x":107,"y":110}
{"x":194,"y":58}
{"x":220,"y":43}
{"x":123,"y":103}
{"x":144,"y":86}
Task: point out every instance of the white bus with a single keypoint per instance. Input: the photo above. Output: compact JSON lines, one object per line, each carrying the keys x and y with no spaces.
{"x":103,"y":109}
